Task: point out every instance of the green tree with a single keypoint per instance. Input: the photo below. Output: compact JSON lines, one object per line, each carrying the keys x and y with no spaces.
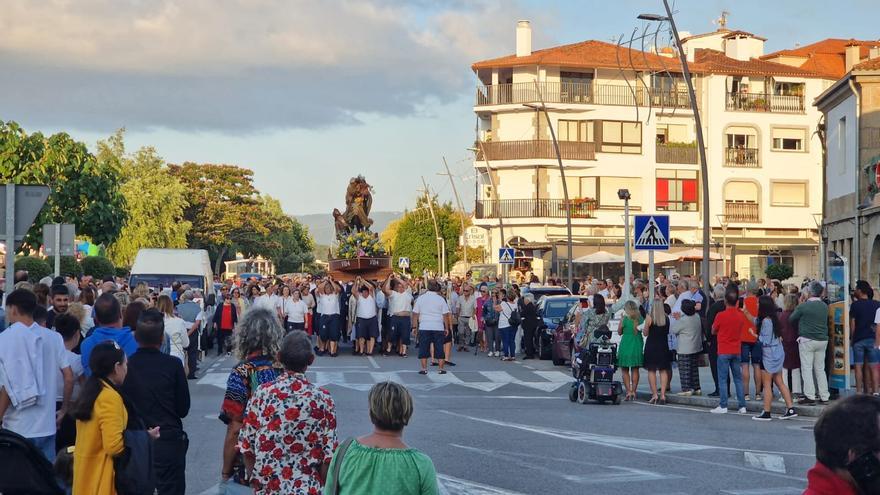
{"x":224,"y":209}
{"x":155,"y":200}
{"x":69,"y":266}
{"x":37,"y":268}
{"x":98,"y":267}
{"x":288,"y":244}
{"x":416,"y":238}
{"x":84,"y":191}
{"x":779,"y":271}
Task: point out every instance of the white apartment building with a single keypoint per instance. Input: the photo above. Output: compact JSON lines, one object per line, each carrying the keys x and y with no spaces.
{"x":623,"y":120}
{"x":851,"y":130}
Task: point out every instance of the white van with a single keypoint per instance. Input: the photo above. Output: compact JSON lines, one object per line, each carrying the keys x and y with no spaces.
{"x":162,"y":267}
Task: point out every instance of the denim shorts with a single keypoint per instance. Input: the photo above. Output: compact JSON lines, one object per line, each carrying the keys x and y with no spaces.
{"x":864,"y":352}
{"x":329,"y":330}
{"x":401,"y":328}
{"x":751,"y":353}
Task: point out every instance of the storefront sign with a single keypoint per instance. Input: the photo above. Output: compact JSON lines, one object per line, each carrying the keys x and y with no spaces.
{"x":476,"y":237}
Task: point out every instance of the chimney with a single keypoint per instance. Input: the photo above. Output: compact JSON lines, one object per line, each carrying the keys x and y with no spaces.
{"x":852,"y":55}
{"x":523,"y":39}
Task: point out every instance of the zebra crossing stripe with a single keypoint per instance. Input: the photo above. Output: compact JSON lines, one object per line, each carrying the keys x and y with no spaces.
{"x":327,"y":377}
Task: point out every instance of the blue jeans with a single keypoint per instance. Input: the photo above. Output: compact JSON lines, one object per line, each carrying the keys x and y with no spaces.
{"x":508,"y":344}
{"x":730,"y":362}
{"x":46,"y":445}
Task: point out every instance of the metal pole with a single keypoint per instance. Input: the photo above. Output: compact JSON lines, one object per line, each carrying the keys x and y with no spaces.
{"x":701,"y":147}
{"x":57,"y":249}
{"x":627,"y":266}
{"x":570,"y":279}
{"x":495,"y":189}
{"x":10,"y":240}
{"x":650,"y":278}
{"x":460,"y":207}
{"x":434,"y":219}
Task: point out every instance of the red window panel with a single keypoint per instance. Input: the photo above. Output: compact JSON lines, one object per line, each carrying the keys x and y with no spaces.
{"x":662,"y":193}
{"x":689,"y":190}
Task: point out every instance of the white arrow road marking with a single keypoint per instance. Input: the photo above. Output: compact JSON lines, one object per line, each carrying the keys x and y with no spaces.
{"x":386,"y":376}
{"x":505,"y":378}
{"x":447,"y":379}
{"x":555,"y":376}
{"x":767,"y":462}
{"x":327,"y":377}
{"x":458,"y":486}
{"x":215,"y":379}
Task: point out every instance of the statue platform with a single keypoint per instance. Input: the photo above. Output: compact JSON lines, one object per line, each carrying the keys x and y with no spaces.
{"x":369,"y":268}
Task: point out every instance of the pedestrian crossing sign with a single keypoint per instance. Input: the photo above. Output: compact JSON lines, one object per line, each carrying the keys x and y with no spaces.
{"x":506,"y":256}
{"x":403,"y":263}
{"x":652,"y":232}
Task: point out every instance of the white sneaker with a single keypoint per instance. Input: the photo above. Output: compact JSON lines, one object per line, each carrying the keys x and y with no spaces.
{"x":490,"y":354}
{"x":743,"y":410}
{"x":719,"y":410}
{"x":497,"y":353}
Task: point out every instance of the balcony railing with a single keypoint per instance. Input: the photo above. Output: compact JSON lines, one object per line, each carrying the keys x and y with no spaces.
{"x":741,"y":212}
{"x":535,"y":208}
{"x":741,"y":157}
{"x":764,"y":102}
{"x":536,"y":149}
{"x":570,"y":92}
{"x":679,"y":153}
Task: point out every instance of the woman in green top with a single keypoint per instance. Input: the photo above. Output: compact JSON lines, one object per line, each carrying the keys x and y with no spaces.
{"x":629,"y":352}
{"x":381,"y":462}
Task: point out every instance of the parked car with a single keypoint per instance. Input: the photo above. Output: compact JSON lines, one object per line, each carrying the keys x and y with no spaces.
{"x":564,"y":348}
{"x":545,"y":290}
{"x":552,"y":309}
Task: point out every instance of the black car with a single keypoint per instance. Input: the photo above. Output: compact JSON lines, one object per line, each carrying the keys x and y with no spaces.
{"x":552,"y":310}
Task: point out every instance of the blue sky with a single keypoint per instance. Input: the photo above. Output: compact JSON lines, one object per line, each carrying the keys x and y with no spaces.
{"x":308,"y":94}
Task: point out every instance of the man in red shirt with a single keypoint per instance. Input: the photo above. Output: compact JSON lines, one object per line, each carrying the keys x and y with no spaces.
{"x":751,"y":348}
{"x":729,"y":327}
{"x":847,"y":449}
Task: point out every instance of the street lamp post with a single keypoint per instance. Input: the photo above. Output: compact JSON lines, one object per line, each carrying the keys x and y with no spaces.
{"x":701,"y":147}
{"x":543,"y":108}
{"x":627,"y":261}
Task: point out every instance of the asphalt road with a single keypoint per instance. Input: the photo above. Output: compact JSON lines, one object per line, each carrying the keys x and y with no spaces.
{"x":508,"y":428}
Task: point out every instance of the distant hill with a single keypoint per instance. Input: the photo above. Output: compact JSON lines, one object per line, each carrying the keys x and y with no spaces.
{"x":323,"y":232}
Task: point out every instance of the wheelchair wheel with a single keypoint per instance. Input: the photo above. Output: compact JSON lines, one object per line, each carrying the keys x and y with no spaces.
{"x":583,"y":393}
{"x":573,"y":392}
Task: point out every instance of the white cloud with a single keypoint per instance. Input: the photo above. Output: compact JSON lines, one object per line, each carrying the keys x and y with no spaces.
{"x":239,"y":65}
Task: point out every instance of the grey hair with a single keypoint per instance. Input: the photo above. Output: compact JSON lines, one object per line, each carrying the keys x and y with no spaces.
{"x":187,"y":295}
{"x":718,"y":292}
{"x":258,"y":330}
{"x":529,"y":298}
{"x":296,"y":351}
{"x":683,"y":284}
{"x":816,"y":289}
{"x":433,"y":285}
{"x":693,"y":284}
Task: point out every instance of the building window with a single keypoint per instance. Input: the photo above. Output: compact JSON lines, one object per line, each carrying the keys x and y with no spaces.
{"x":788,"y":89}
{"x":576,"y":130}
{"x":677,"y":190}
{"x":581,"y":187}
{"x":788,"y":139}
{"x":673,"y":133}
{"x":784,"y":193}
{"x":608,"y":187}
{"x":621,"y":137}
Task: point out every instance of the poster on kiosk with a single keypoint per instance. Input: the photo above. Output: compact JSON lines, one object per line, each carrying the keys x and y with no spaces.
{"x":838,"y":318}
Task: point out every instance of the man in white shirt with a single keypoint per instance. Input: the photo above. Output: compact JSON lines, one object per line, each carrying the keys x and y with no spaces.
{"x":269,"y":300}
{"x":37,"y":422}
{"x":400,"y":302}
{"x":366,"y":318}
{"x":328,"y":307}
{"x":430,"y":316}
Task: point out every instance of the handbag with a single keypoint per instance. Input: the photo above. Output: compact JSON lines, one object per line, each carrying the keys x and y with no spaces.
{"x":333,"y":488}
{"x":472,"y":323}
{"x":134,"y":467}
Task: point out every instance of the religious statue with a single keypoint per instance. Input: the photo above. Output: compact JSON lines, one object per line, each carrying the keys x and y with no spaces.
{"x":358,"y":202}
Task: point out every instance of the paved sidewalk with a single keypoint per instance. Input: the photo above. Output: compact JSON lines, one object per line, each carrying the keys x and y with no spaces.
{"x":708,"y":386}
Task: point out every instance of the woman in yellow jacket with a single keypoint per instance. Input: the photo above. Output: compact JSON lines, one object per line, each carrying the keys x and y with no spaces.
{"x":101,"y":418}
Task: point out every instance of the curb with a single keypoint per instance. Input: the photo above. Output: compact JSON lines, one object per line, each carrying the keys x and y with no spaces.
{"x":751,"y":406}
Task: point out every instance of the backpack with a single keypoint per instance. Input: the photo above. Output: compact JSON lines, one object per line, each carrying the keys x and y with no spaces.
{"x":513,"y":319}
{"x":490,"y":316}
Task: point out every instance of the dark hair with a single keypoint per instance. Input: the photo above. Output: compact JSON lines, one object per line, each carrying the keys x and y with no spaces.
{"x":87,"y":296}
{"x":59,"y":290}
{"x":107,"y":309}
{"x":132,"y":313}
{"x":150,"y":328}
{"x":731,"y":296}
{"x":24,"y":301}
{"x":851,"y":424}
{"x":767,"y":309}
{"x":296,"y":352}
{"x":41,"y":314}
{"x":689,"y":307}
{"x":67,"y":325}
{"x":599,"y":304}
{"x":865,"y":288}
{"x":42,"y":293}
{"x":103,"y":360}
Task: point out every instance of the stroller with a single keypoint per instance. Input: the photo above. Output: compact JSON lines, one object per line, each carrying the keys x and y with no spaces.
{"x":595,"y":371}
{"x":23,"y":469}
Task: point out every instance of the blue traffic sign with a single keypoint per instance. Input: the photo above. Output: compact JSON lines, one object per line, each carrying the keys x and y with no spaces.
{"x":506,"y":256}
{"x":652,"y":232}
